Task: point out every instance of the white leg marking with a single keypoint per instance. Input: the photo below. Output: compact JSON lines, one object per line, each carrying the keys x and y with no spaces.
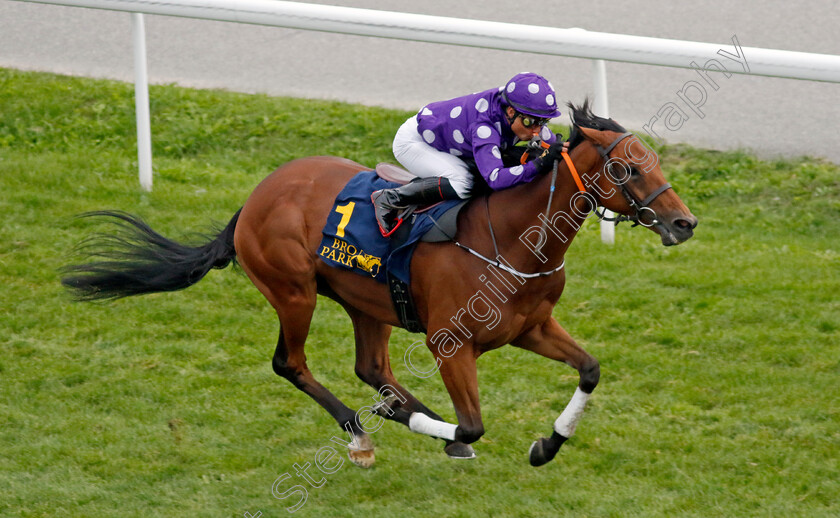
{"x":566,"y":423}
{"x":421,"y":423}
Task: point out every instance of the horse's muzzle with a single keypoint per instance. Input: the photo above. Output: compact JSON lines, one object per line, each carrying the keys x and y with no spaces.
{"x":677,"y":230}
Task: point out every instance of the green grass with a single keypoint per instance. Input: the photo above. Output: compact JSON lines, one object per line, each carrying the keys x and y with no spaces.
{"x":720,"y":358}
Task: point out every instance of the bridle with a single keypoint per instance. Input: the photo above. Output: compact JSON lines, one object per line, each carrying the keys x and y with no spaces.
{"x":640,"y":206}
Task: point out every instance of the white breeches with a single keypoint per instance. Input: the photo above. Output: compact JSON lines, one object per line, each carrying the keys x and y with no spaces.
{"x":422,"y":160}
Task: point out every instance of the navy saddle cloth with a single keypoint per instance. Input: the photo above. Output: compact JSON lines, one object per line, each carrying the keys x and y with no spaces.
{"x":351,"y":238}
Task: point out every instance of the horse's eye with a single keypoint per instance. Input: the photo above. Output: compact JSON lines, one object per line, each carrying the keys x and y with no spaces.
{"x":634,"y":172}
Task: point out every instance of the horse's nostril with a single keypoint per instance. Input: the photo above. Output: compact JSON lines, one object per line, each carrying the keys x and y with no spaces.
{"x":685,"y":224}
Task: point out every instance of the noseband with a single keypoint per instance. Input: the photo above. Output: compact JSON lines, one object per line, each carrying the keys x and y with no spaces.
{"x":640,"y":206}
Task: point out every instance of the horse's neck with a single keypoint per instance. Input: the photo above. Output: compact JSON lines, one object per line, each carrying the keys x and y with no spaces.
{"x":519,"y":214}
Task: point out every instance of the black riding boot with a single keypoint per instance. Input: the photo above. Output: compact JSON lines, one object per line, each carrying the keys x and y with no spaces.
{"x":393,"y":205}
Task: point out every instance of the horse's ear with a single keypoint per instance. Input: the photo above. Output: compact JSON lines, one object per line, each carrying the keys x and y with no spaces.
{"x":595,"y":136}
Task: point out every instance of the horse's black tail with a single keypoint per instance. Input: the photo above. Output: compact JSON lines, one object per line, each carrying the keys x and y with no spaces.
{"x":138,"y":260}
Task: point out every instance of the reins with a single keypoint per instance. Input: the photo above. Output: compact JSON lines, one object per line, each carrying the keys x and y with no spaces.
{"x":505,"y":267}
{"x":572,"y":170}
{"x":578,"y":182}
{"x":639,"y":206}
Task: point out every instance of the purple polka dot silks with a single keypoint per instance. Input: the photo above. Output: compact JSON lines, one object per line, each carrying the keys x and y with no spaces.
{"x":475,"y":126}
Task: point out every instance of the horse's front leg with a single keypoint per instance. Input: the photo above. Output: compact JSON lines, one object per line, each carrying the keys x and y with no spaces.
{"x":458,"y":371}
{"x":552,"y":341}
{"x":373,"y":366}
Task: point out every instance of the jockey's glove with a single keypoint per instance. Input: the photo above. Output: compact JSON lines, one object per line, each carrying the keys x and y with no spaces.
{"x":546,"y":161}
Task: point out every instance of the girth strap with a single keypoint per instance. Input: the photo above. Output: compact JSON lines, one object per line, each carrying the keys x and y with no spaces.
{"x":404,"y":305}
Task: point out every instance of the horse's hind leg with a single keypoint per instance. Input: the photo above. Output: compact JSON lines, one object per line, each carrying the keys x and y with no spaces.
{"x":295,"y":305}
{"x":373,"y":366}
{"x":549,"y":339}
{"x":274,"y":244}
{"x":290,"y":362}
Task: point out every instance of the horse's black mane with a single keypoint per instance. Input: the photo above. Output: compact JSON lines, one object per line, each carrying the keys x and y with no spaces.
{"x":582,"y":117}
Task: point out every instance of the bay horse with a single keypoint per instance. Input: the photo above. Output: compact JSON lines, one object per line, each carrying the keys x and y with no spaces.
{"x":525,"y":230}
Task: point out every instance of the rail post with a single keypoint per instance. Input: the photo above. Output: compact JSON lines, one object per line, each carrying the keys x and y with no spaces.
{"x":141,"y":102}
{"x":601,"y":108}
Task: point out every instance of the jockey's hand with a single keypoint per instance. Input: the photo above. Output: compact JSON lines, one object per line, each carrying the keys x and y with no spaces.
{"x":546,"y":162}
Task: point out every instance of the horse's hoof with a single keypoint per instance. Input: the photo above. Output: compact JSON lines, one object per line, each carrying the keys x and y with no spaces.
{"x":459,"y":450}
{"x":361,"y":451}
{"x":543,"y":450}
{"x":362,"y":458}
{"x":539,"y":454}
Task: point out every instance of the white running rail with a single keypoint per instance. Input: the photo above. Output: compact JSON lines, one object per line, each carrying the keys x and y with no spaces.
{"x":455,"y":31}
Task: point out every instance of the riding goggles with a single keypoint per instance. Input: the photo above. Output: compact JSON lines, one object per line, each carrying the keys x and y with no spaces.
{"x":529,"y":121}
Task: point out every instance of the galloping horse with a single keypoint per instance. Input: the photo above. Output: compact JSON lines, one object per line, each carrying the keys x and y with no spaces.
{"x":469,"y":303}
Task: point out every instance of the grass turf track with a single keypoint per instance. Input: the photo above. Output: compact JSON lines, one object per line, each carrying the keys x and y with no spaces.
{"x":720,"y":358}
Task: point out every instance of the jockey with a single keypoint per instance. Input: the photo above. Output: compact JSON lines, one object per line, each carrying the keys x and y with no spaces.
{"x":434,"y":144}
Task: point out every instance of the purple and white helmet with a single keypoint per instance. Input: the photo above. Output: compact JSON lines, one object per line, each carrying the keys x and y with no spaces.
{"x":531,"y":94}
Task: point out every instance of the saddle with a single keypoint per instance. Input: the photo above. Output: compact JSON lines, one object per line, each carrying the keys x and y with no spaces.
{"x":445,"y":226}
{"x":393,"y":173}
{"x":351,"y":239}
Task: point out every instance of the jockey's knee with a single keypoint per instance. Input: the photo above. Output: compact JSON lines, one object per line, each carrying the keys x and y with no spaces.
{"x":470,"y":433}
{"x":461,"y":185}
{"x":590,"y":373}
